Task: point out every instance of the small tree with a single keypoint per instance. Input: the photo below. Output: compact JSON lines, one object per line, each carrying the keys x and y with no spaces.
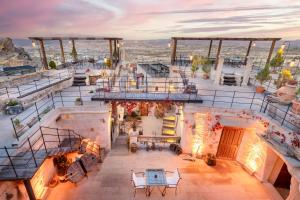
{"x":284,"y":76}
{"x":278,"y":60}
{"x":263,"y":75}
{"x":52,"y":64}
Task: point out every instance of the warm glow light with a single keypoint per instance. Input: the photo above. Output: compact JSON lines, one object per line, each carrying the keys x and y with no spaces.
{"x":70,"y":42}
{"x":105,"y":60}
{"x":118,"y":45}
{"x":292,"y":64}
{"x":254,"y":44}
{"x":191,"y":57}
{"x":282,"y":46}
{"x":33,"y":44}
{"x":255,"y":157}
{"x":169,"y":44}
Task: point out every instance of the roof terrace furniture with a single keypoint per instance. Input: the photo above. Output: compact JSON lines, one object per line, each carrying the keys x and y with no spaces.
{"x":173,"y":180}
{"x":138,"y":182}
{"x":155,"y":178}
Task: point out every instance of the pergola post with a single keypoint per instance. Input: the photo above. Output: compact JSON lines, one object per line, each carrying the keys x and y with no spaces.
{"x":44,"y":57}
{"x":115,"y":51}
{"x":248,"y":52}
{"x":110,"y":50}
{"x":218,"y":71}
{"x":209,"y":50}
{"x":271,"y":51}
{"x":29,"y":189}
{"x":218,"y":54}
{"x":247,"y":72}
{"x":63,"y":60}
{"x":74,"y":47}
{"x":174,"y":46}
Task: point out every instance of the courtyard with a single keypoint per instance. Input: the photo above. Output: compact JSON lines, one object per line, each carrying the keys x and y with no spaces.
{"x":112,"y":179}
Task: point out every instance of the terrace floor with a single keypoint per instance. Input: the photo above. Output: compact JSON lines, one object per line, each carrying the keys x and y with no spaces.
{"x":111,"y":180}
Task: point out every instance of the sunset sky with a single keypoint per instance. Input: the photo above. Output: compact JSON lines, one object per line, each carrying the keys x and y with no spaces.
{"x":150,"y":19}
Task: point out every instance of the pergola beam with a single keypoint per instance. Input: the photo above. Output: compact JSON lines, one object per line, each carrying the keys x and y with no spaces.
{"x":75,"y":38}
{"x":226,"y":38}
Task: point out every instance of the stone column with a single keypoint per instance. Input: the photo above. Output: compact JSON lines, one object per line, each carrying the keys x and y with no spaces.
{"x":247,"y":71}
{"x":63,"y":60}
{"x":218,"y":72}
{"x":294,"y":190}
{"x":44,"y":57}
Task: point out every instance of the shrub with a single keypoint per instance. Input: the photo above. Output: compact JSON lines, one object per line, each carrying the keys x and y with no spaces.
{"x":78,"y":99}
{"x":52,"y":64}
{"x":12,"y":102}
{"x":17,"y":122}
{"x":263,"y":75}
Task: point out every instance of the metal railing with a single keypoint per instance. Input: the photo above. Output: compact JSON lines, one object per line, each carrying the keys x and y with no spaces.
{"x":22,"y":161}
{"x":36,"y":85}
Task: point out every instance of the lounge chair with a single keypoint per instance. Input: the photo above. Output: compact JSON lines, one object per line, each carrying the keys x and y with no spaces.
{"x":137,"y":181}
{"x":173,"y":180}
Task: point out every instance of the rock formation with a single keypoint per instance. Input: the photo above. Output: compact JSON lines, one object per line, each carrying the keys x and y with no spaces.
{"x":11,"y":55}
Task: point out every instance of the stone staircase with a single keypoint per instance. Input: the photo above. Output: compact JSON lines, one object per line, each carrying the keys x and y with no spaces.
{"x":79,"y":79}
{"x":22,"y":162}
{"x":169,"y":126}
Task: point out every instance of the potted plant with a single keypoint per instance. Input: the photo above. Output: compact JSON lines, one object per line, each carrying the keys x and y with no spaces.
{"x":206,"y":68}
{"x":61,"y":164}
{"x":196,"y":61}
{"x":74,"y":55}
{"x":278,"y":60}
{"x":78,"y":101}
{"x":284,"y":76}
{"x":296,"y":103}
{"x":52,"y":64}
{"x":13,"y":107}
{"x":262,"y":77}
{"x":18,"y":126}
{"x":210,"y":159}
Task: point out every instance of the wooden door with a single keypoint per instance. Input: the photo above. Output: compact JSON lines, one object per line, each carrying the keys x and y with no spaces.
{"x":230,"y":142}
{"x":284,"y":178}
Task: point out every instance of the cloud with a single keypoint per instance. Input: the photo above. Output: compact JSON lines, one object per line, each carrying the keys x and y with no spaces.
{"x":232,"y":9}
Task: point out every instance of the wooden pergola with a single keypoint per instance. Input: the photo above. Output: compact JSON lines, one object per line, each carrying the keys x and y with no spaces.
{"x":220,"y":39}
{"x":114,"y":46}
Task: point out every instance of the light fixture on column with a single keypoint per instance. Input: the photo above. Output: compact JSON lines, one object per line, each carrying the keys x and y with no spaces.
{"x":118,"y":45}
{"x":169,"y":45}
{"x":254,"y":44}
{"x":33,"y":44}
{"x":292,"y":64}
{"x":70,"y":42}
{"x":282,"y":46}
{"x":191,"y":57}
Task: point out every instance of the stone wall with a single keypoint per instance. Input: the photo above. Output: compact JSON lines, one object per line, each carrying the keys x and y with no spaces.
{"x":20,"y":80}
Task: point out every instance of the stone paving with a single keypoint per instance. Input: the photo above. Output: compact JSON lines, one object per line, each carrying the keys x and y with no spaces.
{"x":111,"y":180}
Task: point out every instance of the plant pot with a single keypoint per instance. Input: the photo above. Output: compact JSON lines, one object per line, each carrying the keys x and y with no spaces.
{"x":296,"y":106}
{"x":78,"y":103}
{"x":13,"y":110}
{"x":205,"y":76}
{"x":260,"y":89}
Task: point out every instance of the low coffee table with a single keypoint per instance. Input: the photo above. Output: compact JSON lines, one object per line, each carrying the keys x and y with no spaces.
{"x":155,"y":178}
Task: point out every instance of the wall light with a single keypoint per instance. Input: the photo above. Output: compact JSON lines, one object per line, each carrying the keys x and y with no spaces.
{"x":191,"y":57}
{"x":169,"y":44}
{"x":33,"y":44}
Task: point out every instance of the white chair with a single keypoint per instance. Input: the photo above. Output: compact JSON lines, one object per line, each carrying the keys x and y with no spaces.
{"x":173,"y":180}
{"x":138,"y":181}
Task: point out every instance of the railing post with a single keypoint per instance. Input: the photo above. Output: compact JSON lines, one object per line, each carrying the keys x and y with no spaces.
{"x":79,"y":91}
{"x":32,"y":152}
{"x":62,"y":101}
{"x":7,"y":92}
{"x":285,"y":114}
{"x":70,"y":138}
{"x":15,"y":130}
{"x":252,"y":100}
{"x":232,"y":99}
{"x":57,"y":131}
{"x":19,"y":90}
{"x":43,"y":140}
{"x":52,"y":100}
{"x":262,"y":103}
{"x":35,"y":84}
{"x":214,"y":98}
{"x":49,"y":80}
{"x":37,"y":111}
{"x":11,"y":162}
